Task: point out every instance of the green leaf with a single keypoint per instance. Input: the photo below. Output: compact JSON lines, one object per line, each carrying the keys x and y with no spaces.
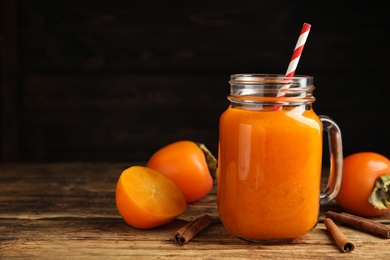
{"x":380,"y":196}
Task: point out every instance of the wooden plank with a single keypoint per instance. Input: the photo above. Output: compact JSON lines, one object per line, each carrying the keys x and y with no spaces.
{"x":180,"y":36}
{"x":129,"y":116}
{"x":115,"y":92}
{"x":112,"y":238}
{"x":117,"y":117}
{"x":364,"y":131}
{"x":94,"y":73}
{"x":47,"y":210}
{"x":133,"y":37}
{"x":9,"y":81}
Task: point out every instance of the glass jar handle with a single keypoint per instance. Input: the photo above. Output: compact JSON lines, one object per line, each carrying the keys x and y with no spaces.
{"x":336,"y":159}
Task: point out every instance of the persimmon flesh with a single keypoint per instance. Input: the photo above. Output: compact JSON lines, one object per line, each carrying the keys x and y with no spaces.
{"x":146,"y":198}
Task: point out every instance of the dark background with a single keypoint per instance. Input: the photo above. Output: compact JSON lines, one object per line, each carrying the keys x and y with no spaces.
{"x":116,"y":80}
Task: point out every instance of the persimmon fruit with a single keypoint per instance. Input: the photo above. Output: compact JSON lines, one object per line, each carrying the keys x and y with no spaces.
{"x":365,"y":185}
{"x":146,"y":198}
{"x":190,"y":165}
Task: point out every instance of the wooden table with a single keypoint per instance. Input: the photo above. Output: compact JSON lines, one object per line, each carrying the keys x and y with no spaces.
{"x":68,"y":211}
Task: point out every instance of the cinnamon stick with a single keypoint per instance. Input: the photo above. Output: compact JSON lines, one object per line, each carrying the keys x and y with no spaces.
{"x":186,"y":233}
{"x":359,"y":222}
{"x":343,"y":243}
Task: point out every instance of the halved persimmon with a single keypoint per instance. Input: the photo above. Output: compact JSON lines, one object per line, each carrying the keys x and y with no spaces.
{"x":146,"y":198}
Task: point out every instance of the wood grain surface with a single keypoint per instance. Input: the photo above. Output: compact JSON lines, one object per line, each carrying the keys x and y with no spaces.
{"x":116,"y":80}
{"x":67,"y":211}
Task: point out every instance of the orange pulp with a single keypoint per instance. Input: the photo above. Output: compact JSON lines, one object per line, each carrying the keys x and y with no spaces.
{"x":146,"y":198}
{"x":269,"y":172}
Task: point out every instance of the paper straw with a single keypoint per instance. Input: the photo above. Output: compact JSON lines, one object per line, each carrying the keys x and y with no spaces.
{"x":292,"y":66}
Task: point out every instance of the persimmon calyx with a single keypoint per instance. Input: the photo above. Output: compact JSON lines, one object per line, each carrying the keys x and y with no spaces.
{"x":212,"y":162}
{"x":380,"y":196}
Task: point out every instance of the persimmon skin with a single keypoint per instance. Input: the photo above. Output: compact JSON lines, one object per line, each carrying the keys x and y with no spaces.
{"x":360,"y":171}
{"x":185,"y":164}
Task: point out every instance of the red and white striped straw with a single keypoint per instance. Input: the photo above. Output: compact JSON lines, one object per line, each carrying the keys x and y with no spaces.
{"x":298,"y":50}
{"x":292,"y":66}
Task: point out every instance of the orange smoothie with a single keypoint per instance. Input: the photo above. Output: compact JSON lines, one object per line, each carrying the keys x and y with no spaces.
{"x":269,"y":172}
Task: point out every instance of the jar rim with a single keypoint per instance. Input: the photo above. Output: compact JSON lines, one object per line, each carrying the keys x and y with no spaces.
{"x":256,"y":78}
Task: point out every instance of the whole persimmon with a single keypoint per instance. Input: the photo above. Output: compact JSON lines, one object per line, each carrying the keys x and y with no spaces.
{"x":146,"y":198}
{"x":365,"y":185}
{"x":190,"y":165}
